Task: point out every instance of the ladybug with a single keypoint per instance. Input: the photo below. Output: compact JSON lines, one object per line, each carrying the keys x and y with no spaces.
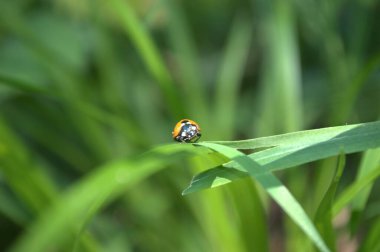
{"x":186,"y":131}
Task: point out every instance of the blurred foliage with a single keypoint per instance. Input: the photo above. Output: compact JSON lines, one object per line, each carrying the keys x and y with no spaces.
{"x":84,"y":83}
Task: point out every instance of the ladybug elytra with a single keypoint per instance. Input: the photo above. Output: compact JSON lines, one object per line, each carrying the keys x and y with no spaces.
{"x":186,"y":131}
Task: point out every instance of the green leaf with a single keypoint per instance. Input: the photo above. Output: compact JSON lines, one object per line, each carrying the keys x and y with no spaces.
{"x":253,"y":227}
{"x":186,"y":57}
{"x":371,"y":241}
{"x":10,"y":208}
{"x":323,"y":216}
{"x":280,"y":78}
{"x":27,"y":180}
{"x":148,"y":51}
{"x":292,"y":149}
{"x":352,"y":191}
{"x":369,"y":162}
{"x":230,"y":76}
{"x":275,"y":188}
{"x":73,"y":209}
{"x":305,"y":137}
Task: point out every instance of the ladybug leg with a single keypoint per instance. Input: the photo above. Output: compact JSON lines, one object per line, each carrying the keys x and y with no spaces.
{"x":178,"y":139}
{"x":198,"y":136}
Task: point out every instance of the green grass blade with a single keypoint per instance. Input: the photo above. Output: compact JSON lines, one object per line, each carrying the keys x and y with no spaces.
{"x":275,"y":188}
{"x":239,"y":230}
{"x":352,"y":191}
{"x":369,"y":162}
{"x":305,"y":137}
{"x":187,"y":59}
{"x":10,"y":208}
{"x":372,"y":210}
{"x":21,"y":84}
{"x":254,"y":228}
{"x":28,"y":181}
{"x":88,"y":196}
{"x":344,"y":107}
{"x":323,"y":216}
{"x":281,"y":85}
{"x":230,"y":75}
{"x":148,"y":51}
{"x":371,"y":241}
{"x":312,"y":145}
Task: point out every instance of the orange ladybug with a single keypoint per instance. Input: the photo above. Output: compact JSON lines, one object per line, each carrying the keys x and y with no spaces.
{"x":186,"y":131}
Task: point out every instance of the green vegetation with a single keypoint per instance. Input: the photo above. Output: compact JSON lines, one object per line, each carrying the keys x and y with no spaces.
{"x":90,"y":92}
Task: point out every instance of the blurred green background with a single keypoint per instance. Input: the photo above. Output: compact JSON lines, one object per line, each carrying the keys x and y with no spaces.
{"x":83,"y":83}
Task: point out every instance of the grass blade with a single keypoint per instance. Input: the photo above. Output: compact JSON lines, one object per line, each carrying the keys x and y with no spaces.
{"x":371,"y":241}
{"x":28,"y":181}
{"x":88,"y":196}
{"x":281,"y":73}
{"x":305,"y":137}
{"x":369,"y":162}
{"x":323,"y":216}
{"x":231,"y":71}
{"x":312,"y":145}
{"x":352,"y":191}
{"x":10,"y":208}
{"x":253,"y":227}
{"x":275,"y":188}
{"x":187,"y":59}
{"x":148,"y":51}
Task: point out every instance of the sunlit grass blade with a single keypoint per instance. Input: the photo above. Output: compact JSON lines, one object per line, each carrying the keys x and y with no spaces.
{"x":89,"y":195}
{"x":323,"y":216}
{"x":214,"y":177}
{"x":275,"y":188}
{"x":312,"y":145}
{"x":305,"y":137}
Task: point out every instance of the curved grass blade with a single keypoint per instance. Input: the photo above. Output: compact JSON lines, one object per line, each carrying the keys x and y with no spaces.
{"x":275,"y":188}
{"x":148,"y":51}
{"x":71,"y":211}
{"x":323,"y":215}
{"x":369,"y":162}
{"x":311,"y":145}
{"x":352,"y":191}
